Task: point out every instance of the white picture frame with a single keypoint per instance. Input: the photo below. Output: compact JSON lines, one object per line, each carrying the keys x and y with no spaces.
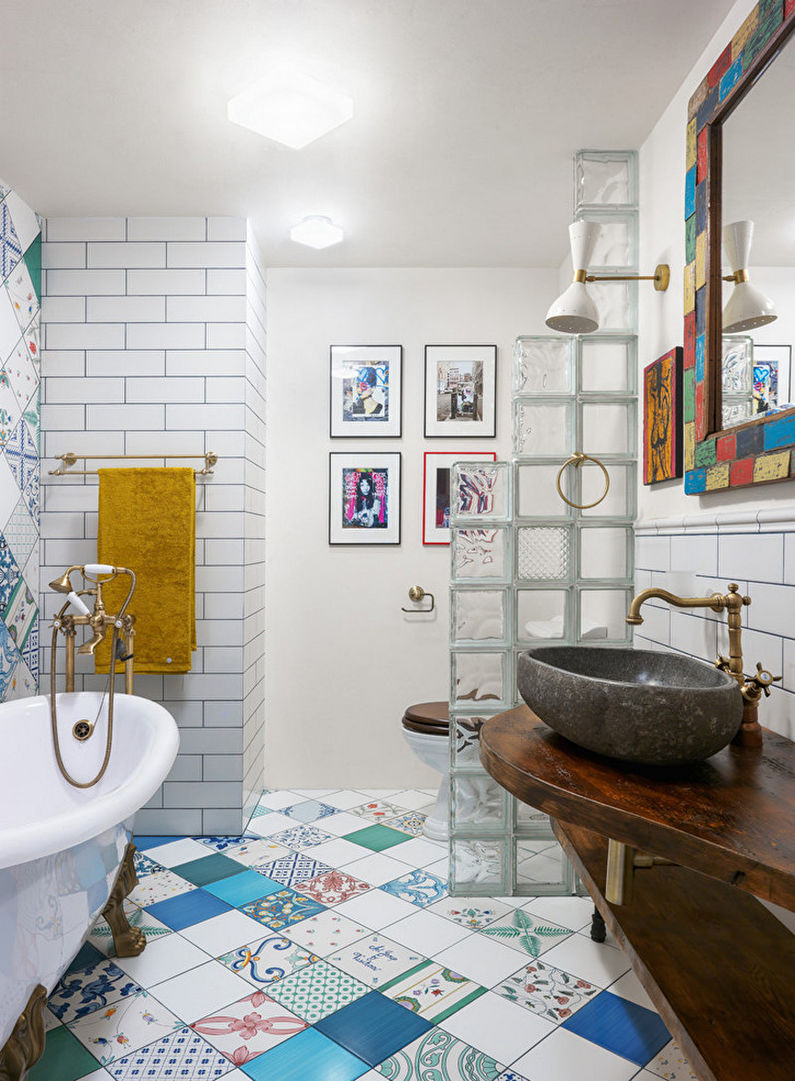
{"x":364,"y":497}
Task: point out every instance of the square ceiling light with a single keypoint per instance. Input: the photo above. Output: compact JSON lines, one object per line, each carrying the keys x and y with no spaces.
{"x":317,"y":232}
{"x":290,"y":107}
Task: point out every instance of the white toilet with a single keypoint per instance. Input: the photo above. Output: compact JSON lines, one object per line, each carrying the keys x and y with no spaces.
{"x":426,"y":727}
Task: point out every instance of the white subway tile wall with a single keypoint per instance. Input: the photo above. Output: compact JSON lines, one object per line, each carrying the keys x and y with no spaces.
{"x":702,"y":556}
{"x":154,"y":342}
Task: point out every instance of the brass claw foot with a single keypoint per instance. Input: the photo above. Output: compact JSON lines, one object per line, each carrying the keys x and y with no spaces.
{"x":128,"y":941}
{"x":25,"y":1046}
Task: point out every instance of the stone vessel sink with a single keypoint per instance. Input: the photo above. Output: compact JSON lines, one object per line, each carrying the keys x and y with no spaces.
{"x":655,"y":709}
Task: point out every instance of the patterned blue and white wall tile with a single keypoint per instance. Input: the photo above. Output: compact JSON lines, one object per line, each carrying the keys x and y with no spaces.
{"x":20,"y":293}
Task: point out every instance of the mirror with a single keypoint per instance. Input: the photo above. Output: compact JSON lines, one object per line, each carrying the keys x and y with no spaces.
{"x":758,"y":216}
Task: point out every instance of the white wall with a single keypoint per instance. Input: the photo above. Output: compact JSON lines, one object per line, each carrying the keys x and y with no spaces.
{"x":343,"y":662}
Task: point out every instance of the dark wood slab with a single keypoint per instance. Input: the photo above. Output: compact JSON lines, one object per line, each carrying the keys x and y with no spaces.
{"x":716,"y":964}
{"x":731,"y":817}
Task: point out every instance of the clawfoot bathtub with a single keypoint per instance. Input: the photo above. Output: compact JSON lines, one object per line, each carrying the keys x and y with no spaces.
{"x":61,"y":848}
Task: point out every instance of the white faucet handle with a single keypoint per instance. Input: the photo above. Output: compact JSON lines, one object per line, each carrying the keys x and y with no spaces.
{"x":95,"y":569}
{"x":78,"y":605}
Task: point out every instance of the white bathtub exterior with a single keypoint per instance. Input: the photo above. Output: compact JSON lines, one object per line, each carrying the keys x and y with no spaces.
{"x":61,"y":847}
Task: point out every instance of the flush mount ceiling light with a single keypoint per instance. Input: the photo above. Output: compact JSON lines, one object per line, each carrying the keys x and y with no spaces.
{"x":574,"y":312}
{"x":290,"y":107}
{"x":316,"y":231}
{"x":748,"y":307}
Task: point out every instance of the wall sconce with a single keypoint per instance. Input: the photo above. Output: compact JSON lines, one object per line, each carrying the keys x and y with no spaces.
{"x":574,"y":312}
{"x":747,"y":307}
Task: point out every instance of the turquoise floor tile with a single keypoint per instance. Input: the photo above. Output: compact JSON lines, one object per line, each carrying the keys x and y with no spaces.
{"x":143,"y":843}
{"x":64,"y":1058}
{"x":210,"y":868}
{"x":186,"y":909}
{"x":242,"y":888}
{"x":309,"y":1055}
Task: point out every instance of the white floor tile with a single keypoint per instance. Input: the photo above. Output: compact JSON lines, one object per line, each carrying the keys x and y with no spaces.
{"x":201,"y":991}
{"x":176,"y":852}
{"x":376,"y":868}
{"x":498,"y":1027}
{"x":419,"y":851}
{"x":513,"y":902}
{"x":338,"y":853}
{"x":345,"y":799}
{"x":277,"y":801}
{"x":595,"y":962}
{"x":565,"y":1055}
{"x":412,"y":799}
{"x":162,"y":959}
{"x":379,"y":793}
{"x":376,"y":909}
{"x":327,"y":932}
{"x":223,"y":933}
{"x":481,"y":959}
{"x":630,"y":987}
{"x":572,"y":912}
{"x":427,"y":933}
{"x":267,"y":825}
{"x":342,"y":823}
{"x":470,"y":912}
{"x":314,"y":793}
{"x":441,"y":869}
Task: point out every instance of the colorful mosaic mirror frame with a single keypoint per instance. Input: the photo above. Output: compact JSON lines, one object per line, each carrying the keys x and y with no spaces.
{"x":765,"y":451}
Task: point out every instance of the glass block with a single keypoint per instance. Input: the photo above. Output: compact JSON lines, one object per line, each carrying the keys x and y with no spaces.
{"x":479,"y":867}
{"x":541,"y":868}
{"x":542,"y":615}
{"x":620,"y":499}
{"x":481,"y":554}
{"x":737,"y":369}
{"x":542,"y":429}
{"x":617,"y":304}
{"x":544,"y":553}
{"x":477,"y":804}
{"x":480,"y":678}
{"x":605,"y":178}
{"x":480,"y":492}
{"x":608,"y":428}
{"x":479,"y":615}
{"x":605,"y":551}
{"x":608,"y":365}
{"x":543,"y":365}
{"x":465,"y":741}
{"x":616,"y":247}
{"x":602,"y":615}
{"x":536,"y":492}
{"x":530,"y":821}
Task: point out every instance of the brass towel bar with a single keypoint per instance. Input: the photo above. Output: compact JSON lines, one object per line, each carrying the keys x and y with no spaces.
{"x":69,"y":459}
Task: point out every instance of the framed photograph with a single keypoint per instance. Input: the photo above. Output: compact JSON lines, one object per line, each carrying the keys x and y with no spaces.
{"x":460,"y":391}
{"x":366,"y":390}
{"x":364,"y":498}
{"x":436,"y":491}
{"x":662,"y":418}
{"x":772,"y":388}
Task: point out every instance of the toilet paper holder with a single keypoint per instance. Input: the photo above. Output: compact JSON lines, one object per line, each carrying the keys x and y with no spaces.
{"x":417,"y":594}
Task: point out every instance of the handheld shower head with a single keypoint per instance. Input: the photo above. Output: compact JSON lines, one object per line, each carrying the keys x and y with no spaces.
{"x":62,"y":584}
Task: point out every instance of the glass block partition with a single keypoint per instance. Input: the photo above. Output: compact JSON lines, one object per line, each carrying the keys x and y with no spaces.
{"x":529,"y":569}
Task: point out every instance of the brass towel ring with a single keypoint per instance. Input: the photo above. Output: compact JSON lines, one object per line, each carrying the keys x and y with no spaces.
{"x":577,"y":459}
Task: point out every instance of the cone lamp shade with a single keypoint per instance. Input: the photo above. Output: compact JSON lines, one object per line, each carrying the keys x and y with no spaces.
{"x":574,"y":312}
{"x":748,"y":307}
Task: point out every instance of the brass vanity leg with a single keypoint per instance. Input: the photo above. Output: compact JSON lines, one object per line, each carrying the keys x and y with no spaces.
{"x":620,"y":870}
{"x":25,"y":1046}
{"x":128,"y":941}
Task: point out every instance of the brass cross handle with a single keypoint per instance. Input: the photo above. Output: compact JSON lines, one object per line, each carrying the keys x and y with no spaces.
{"x":763,"y":679}
{"x":578,"y":459}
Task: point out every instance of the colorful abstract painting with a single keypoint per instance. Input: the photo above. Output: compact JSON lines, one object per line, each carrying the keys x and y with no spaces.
{"x":662,"y":418}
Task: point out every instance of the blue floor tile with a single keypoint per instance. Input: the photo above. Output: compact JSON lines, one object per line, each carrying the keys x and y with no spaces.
{"x":309,"y":1056}
{"x":88,"y":955}
{"x":620,"y":1026}
{"x":373,"y":1027}
{"x":187,"y":908}
{"x":142,"y":843}
{"x":244,"y":887}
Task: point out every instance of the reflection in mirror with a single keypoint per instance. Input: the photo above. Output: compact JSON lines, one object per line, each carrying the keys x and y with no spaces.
{"x":758,"y":193}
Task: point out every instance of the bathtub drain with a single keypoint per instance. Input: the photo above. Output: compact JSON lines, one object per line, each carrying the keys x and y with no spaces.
{"x":82,"y":730}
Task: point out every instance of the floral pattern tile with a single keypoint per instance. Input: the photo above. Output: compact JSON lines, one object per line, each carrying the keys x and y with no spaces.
{"x":245,"y":1029}
{"x":317,"y":991}
{"x":472,"y":912}
{"x":308,"y":811}
{"x":159,"y":886}
{"x":87,"y":989}
{"x":257,"y":853}
{"x":282,"y":909}
{"x":525,"y":932}
{"x":302,"y":837}
{"x":293,"y":869}
{"x":326,"y":932}
{"x":102,"y":938}
{"x":333,"y":887}
{"x":22,"y":294}
{"x":432,"y":991}
{"x":126,"y":1025}
{"x":440,"y":1057}
{"x":221,"y":844}
{"x":420,"y":888}
{"x":145,"y":865}
{"x":671,"y":1064}
{"x":375,"y":960}
{"x":377,"y":811}
{"x":547,"y":991}
{"x":411,"y":822}
{"x":183,"y":1054}
{"x":268,"y":959}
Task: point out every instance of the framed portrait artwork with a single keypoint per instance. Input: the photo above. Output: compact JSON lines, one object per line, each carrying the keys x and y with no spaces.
{"x":436,"y":491}
{"x":366,"y":391}
{"x":460,"y":391}
{"x":364,"y":498}
{"x":662,"y":418}
{"x":771,"y":377}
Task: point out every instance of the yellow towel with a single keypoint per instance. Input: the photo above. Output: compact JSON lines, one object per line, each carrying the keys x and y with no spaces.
{"x":147,"y":522}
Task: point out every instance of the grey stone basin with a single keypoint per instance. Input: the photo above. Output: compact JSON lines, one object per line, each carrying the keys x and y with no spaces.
{"x":656,"y":709}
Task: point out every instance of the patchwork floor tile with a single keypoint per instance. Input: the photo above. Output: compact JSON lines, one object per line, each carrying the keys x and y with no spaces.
{"x":268,"y":959}
{"x":432,"y":991}
{"x":377,"y":810}
{"x":671,"y":1064}
{"x":472,"y":912}
{"x":300,"y":837}
{"x":159,"y":887}
{"x":332,"y":887}
{"x":242,"y":888}
{"x":310,"y":1054}
{"x":187,"y":908}
{"x":327,"y":932}
{"x":375,"y":960}
{"x":293,"y":869}
{"x":525,"y":933}
{"x":308,"y":811}
{"x":64,"y":1058}
{"x":183,"y":1054}
{"x":210,"y":868}
{"x":282,"y":909}
{"x":373,"y":1027}
{"x":87,"y":989}
{"x":128,"y":1024}
{"x":222,"y":844}
{"x":102,"y":938}
{"x":317,"y":990}
{"x":411,"y":822}
{"x":145,"y":865}
{"x":257,"y":853}
{"x":547,"y":991}
{"x":247,"y":1028}
{"x":419,"y":888}
{"x":449,"y":1059}
{"x":377,"y":838}
{"x":620,"y":1026}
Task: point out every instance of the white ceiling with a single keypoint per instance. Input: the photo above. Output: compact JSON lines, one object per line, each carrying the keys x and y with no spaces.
{"x":459,"y":153}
